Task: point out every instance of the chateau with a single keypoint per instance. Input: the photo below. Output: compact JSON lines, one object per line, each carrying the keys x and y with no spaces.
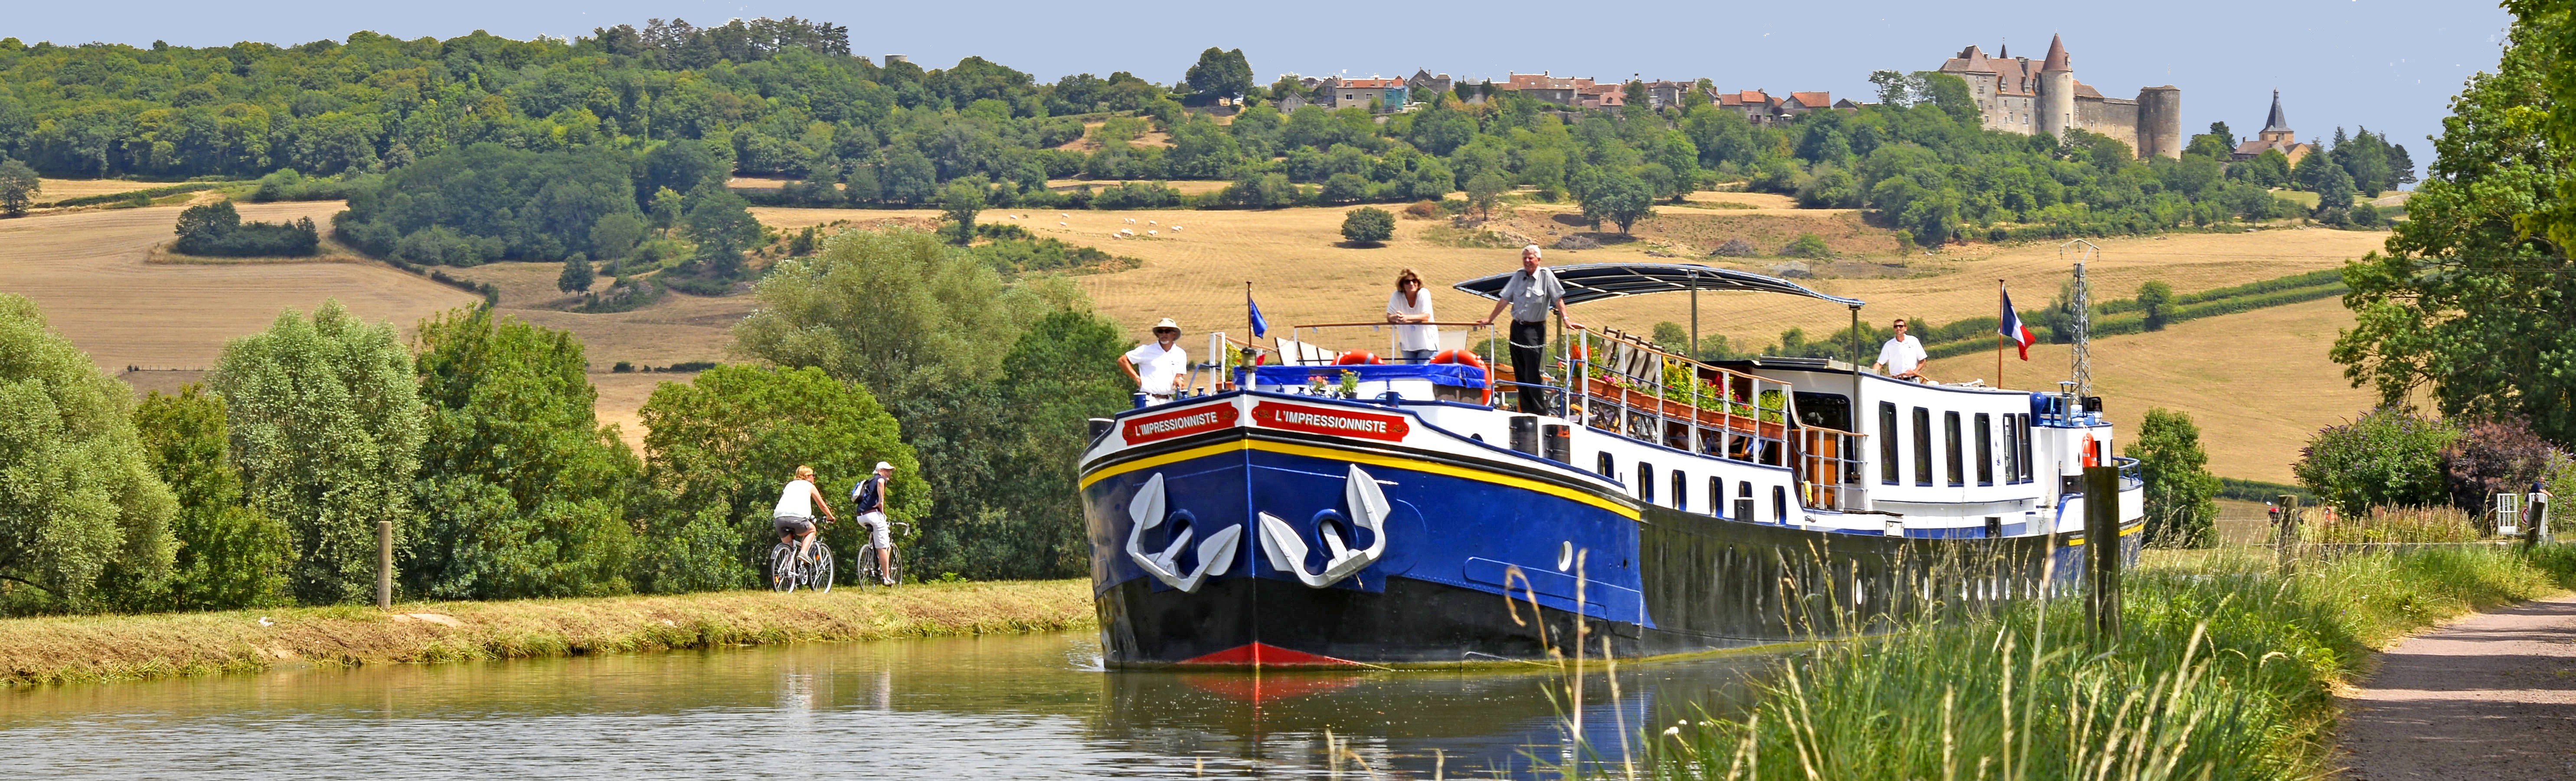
{"x":2043,"y":97}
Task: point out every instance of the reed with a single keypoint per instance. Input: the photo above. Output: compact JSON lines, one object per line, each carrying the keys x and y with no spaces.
{"x":62,"y":649}
{"x":2398,"y":525}
{"x":2225,"y":672}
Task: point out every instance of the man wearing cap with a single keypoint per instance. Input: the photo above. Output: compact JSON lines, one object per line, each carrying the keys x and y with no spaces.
{"x":869,"y":499}
{"x":1156,"y":367}
{"x":1531,"y":293}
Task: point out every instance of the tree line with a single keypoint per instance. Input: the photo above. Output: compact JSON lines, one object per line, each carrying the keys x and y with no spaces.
{"x":478,"y":441}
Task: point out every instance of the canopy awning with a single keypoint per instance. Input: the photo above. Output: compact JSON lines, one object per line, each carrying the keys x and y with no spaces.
{"x":1597,"y":281}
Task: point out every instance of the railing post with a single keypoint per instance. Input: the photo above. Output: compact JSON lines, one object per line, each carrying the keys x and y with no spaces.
{"x":384,"y":565}
{"x":2102,"y":543}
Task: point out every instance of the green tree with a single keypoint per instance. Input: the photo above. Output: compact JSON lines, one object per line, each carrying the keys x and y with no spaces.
{"x":1027,"y":522}
{"x":1619,"y":197}
{"x":229,"y":555}
{"x":720,"y":223}
{"x":2181,"y":494}
{"x":959,"y":204}
{"x":1368,"y":225}
{"x":2155,"y":303}
{"x":615,"y":235}
{"x":18,"y":187}
{"x":718,"y":449}
{"x":1807,"y":245}
{"x":668,"y":206}
{"x":81,"y":511}
{"x":523,"y":493}
{"x":893,"y":310}
{"x":2388,"y":457}
{"x":1220,"y":73}
{"x":1634,"y":94}
{"x":326,"y":429}
{"x":2469,"y":301}
{"x":1484,"y":191}
{"x":577,"y":274}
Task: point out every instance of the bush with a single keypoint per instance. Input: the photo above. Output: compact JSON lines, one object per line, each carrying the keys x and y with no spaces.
{"x":1735,"y":248}
{"x":2491,"y":457}
{"x":2387,"y":457}
{"x":230,"y":556}
{"x":1807,"y":245}
{"x":1423,"y":210}
{"x":2181,"y":510}
{"x":285,"y":184}
{"x":1368,"y":225}
{"x":216,"y":230}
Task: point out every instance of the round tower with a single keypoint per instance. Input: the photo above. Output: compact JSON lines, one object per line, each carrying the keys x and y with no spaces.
{"x":2056,"y":91}
{"x":2160,"y":122}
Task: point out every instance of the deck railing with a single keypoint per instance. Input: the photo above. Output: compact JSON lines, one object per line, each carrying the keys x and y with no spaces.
{"x":1627,"y":385}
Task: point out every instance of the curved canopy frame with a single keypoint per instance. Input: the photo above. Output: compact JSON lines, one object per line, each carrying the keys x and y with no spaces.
{"x":1590,"y":282}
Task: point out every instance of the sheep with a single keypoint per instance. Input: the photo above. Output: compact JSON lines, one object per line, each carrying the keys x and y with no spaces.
{"x":1176,"y":229}
{"x":1151,"y":222}
{"x":1059,"y":224}
{"x":1152,"y":232}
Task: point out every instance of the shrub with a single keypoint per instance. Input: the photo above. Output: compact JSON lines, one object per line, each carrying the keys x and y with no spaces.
{"x":2491,"y":457}
{"x":2387,"y":457}
{"x":2180,"y":508}
{"x":1807,"y":245}
{"x":80,"y":508}
{"x":1368,"y":225}
{"x":216,"y":229}
{"x":285,"y":184}
{"x":1734,"y":248}
{"x":1423,"y":210}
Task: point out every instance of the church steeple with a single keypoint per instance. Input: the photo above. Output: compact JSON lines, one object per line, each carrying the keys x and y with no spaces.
{"x":2277,"y":127}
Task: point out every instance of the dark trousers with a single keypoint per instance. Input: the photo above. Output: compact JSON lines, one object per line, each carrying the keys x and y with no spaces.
{"x":1529,"y":339}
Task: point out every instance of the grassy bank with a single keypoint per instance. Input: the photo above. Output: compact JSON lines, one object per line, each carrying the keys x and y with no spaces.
{"x":2226,"y":671}
{"x":36,"y":651}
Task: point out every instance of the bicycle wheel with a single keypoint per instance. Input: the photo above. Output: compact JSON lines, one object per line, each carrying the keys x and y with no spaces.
{"x":782,"y":568}
{"x":895,"y":573}
{"x":822,"y":568}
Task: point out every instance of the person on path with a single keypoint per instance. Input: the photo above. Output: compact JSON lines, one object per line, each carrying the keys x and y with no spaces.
{"x":1531,"y":293}
{"x":1157,"y":366}
{"x":1903,"y":356}
{"x":1412,"y":304}
{"x":868,"y":500}
{"x":794,"y":516}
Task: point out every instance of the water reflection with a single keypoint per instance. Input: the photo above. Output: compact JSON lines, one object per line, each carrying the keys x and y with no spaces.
{"x":1021,"y":707}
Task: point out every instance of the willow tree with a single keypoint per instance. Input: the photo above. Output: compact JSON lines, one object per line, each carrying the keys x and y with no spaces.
{"x":327,"y":429}
{"x":80,"y":510}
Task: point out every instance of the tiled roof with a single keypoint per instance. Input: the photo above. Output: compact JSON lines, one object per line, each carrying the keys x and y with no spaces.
{"x":1813,"y":99}
{"x":2278,"y":123}
{"x":1372,"y":83}
{"x":2056,"y":56}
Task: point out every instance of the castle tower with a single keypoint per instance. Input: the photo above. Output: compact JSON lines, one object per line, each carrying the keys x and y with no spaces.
{"x":2160,"y":122}
{"x":2277,"y":128}
{"x":2056,"y":108}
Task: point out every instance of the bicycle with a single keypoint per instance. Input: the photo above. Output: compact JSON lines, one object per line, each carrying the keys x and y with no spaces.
{"x":868,"y":575}
{"x":814,"y":571}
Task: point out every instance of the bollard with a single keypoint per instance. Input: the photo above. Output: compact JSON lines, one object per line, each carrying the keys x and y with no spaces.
{"x":2102,"y":550}
{"x":384,"y":565}
{"x":2286,"y":535}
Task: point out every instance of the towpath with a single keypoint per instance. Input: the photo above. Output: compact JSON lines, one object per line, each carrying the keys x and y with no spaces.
{"x":2489,"y":696}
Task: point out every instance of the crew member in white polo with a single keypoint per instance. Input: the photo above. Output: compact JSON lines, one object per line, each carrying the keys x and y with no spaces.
{"x":1157,"y":366}
{"x":1903,"y":356}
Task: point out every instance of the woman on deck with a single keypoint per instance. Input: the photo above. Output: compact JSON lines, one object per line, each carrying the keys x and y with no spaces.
{"x":1412,"y":304}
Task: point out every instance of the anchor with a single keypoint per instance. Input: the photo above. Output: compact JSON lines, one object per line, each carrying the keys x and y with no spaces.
{"x":1287,"y":549}
{"x":1216,"y":553}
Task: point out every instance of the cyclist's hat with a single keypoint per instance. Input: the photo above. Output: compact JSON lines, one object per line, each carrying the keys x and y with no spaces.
{"x":883,"y":466}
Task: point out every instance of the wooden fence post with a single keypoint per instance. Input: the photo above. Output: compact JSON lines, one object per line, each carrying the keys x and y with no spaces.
{"x":2102,"y":543}
{"x":384,"y":565}
{"x":2286,"y":535}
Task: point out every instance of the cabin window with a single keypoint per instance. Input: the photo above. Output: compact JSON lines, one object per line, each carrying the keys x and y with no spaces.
{"x":1887,"y":466}
{"x":1717,"y":496}
{"x":1609,"y":468}
{"x":1646,"y":482}
{"x":2012,"y":450}
{"x":1985,"y":449}
{"x":2028,"y":463}
{"x":1950,"y":440}
{"x":1922,"y":446}
{"x":1779,"y":504}
{"x":1681,"y":490}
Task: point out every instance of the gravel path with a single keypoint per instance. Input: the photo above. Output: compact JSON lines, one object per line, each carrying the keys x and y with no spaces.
{"x":2491,"y":696}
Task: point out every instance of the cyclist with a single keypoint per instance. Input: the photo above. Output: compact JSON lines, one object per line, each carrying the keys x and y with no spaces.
{"x":867,"y":499}
{"x":794,"y":517}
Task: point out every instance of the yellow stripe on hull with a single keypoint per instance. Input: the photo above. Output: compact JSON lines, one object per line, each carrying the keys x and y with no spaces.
{"x":1375,"y":459}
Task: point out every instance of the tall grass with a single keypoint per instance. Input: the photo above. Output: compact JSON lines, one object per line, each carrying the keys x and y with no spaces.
{"x":2397,"y":525}
{"x":2224,"y":671}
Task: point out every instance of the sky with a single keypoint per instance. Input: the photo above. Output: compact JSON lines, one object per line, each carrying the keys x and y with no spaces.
{"x":2388,"y":65}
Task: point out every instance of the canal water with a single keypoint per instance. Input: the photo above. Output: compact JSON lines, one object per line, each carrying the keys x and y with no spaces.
{"x":1030,"y":706}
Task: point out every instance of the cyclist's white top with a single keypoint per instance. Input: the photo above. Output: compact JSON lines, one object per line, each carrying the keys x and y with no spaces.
{"x":797,"y":500}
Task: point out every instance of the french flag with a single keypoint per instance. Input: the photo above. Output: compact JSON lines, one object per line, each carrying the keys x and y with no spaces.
{"x":2011,"y":327}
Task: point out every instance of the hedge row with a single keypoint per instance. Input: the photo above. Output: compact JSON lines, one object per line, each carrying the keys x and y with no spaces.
{"x":2131,"y":323}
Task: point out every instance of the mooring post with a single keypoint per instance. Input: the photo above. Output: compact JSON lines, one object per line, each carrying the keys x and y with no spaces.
{"x":384,"y":565}
{"x":2102,"y":548}
{"x":2286,"y":534}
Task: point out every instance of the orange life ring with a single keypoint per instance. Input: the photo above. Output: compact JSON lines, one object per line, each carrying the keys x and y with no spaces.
{"x":1356,"y":358}
{"x":2092,"y":453}
{"x":1465,"y":358}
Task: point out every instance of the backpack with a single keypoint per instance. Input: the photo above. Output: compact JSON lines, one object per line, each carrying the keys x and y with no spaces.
{"x":863,"y":497}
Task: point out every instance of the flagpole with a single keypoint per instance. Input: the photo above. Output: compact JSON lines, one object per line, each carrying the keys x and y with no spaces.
{"x":1999,"y":335}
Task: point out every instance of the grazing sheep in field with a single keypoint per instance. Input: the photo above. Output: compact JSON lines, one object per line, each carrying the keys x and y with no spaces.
{"x":1152,"y":232}
{"x":1176,"y":228}
{"x":1059,"y":225}
{"x":1064,"y":215}
{"x":1151,"y":222}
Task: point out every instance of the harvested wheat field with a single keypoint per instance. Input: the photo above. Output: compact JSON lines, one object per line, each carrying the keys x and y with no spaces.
{"x":89,"y":272}
{"x":49,"y":190}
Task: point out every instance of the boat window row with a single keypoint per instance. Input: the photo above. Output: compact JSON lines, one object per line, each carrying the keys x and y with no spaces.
{"x":1955,"y":439}
{"x":1644,"y":480}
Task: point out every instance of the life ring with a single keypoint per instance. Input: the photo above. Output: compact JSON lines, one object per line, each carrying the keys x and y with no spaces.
{"x":2092,"y":453}
{"x":1357,"y":358}
{"x":1465,"y":358}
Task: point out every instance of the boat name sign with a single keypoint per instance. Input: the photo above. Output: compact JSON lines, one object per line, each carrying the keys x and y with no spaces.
{"x":1173,"y":424}
{"x":1319,"y":420}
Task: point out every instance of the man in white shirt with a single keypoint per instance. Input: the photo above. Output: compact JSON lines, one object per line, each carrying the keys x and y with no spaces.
{"x":1903,"y":357}
{"x":794,"y":516}
{"x":1156,"y":367}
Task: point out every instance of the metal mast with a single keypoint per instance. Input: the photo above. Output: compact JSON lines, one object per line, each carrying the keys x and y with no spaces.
{"x":2083,"y":314}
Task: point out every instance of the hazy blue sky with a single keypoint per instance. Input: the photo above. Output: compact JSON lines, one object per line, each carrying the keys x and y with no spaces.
{"x":2385,"y":64}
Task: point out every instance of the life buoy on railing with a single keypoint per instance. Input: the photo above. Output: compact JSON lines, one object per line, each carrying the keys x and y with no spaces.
{"x":1465,"y":358}
{"x":1356,"y":358}
{"x":2092,"y":453}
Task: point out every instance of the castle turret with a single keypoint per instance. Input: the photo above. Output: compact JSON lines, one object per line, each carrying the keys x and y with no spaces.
{"x":2160,"y":122}
{"x":2056,"y":108}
